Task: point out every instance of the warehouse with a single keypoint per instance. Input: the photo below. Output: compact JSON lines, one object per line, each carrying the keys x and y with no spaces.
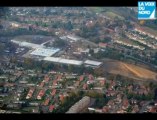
{"x":45,"y":51}
{"x":63,"y":61}
{"x":73,"y":38}
{"x":91,"y":63}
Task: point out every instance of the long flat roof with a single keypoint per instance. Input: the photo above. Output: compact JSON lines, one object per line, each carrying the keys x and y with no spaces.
{"x":45,"y":51}
{"x":68,"y":61}
{"x":91,"y":62}
{"x":72,"y":37}
{"x":26,"y":44}
{"x":64,"y":61}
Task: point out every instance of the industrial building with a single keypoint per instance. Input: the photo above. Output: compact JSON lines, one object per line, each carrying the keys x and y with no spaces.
{"x":73,"y":38}
{"x":26,"y":44}
{"x":45,"y":51}
{"x":91,"y":63}
{"x":63,"y":61}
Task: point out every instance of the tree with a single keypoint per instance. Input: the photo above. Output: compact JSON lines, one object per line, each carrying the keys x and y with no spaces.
{"x":28,"y":62}
{"x":107,"y":85}
{"x":13,"y":60}
{"x":4,"y":11}
{"x":59,"y":43}
{"x":69,"y":26}
{"x":91,"y":51}
{"x":70,"y":68}
{"x":99,"y":72}
{"x":2,"y":46}
{"x":129,"y":109}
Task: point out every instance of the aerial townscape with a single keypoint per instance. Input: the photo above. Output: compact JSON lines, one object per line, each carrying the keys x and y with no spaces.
{"x":77,"y":60}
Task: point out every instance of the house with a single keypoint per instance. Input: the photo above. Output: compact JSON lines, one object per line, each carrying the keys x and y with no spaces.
{"x":110,"y":103}
{"x":53,"y":92}
{"x":85,"y":86}
{"x":125,"y":104}
{"x":110,"y":93}
{"x":33,"y":104}
{"x":135,"y":109}
{"x":90,"y":77}
{"x":102,"y":45}
{"x":77,"y":83}
{"x":30,"y":93}
{"x":51,"y":108}
{"x":97,"y":88}
{"x":41,"y":94}
{"x":81,"y":78}
{"x":100,"y":78}
{"x":61,"y":97}
{"x":13,"y":106}
{"x":98,"y":110}
{"x":153,"y":110}
{"x":53,"y":72}
{"x":59,"y":77}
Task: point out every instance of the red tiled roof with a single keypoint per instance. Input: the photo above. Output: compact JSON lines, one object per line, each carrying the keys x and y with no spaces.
{"x":30,"y":92}
{"x":81,"y":77}
{"x":53,"y":92}
{"x":51,"y":108}
{"x":91,"y":77}
{"x":102,"y":44}
{"x":125,"y":102}
{"x":153,"y":110}
{"x":61,"y":97}
{"x":85,"y":86}
{"x":41,"y":93}
{"x":105,"y":109}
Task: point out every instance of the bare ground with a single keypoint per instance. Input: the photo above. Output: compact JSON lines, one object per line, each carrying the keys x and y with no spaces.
{"x":129,"y":70}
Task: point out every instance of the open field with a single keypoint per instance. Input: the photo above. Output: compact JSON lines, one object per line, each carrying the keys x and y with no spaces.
{"x":36,"y":39}
{"x":112,"y":15}
{"x":129,"y":70}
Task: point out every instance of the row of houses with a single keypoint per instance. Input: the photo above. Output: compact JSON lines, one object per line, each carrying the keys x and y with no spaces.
{"x":129,"y":45}
{"x":142,"y":31}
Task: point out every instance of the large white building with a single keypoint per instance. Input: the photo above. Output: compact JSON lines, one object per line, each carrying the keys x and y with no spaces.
{"x":63,"y":61}
{"x":92,"y":63}
{"x":45,"y":51}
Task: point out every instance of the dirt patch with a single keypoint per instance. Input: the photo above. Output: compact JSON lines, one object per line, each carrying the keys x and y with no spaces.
{"x":128,"y":70}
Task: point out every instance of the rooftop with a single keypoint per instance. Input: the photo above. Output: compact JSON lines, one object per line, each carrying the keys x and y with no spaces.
{"x":91,"y":62}
{"x":45,"y":51}
{"x":64,"y":61}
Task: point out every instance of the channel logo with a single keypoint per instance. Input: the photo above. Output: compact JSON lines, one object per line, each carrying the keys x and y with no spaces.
{"x":146,"y":10}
